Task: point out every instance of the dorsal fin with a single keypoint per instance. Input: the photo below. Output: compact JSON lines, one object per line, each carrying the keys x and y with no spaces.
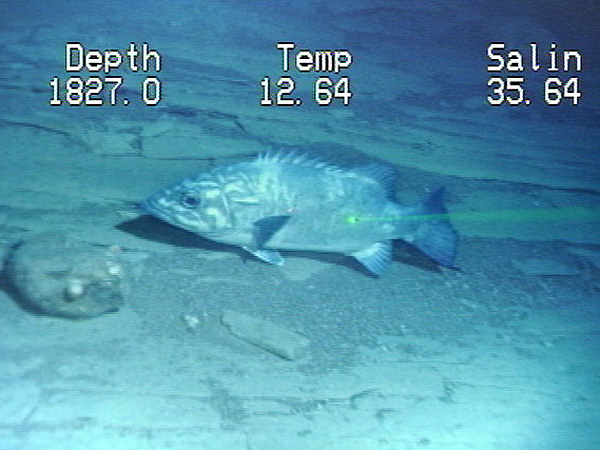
{"x":382,"y":173}
{"x":296,"y":158}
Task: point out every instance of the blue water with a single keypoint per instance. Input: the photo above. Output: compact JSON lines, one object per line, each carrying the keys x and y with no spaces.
{"x":498,"y":354}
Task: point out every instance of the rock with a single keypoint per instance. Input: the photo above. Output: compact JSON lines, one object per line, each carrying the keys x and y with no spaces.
{"x":266,"y":335}
{"x":590,"y":255}
{"x":57,"y":275}
{"x":175,"y":140}
{"x":547,"y":267}
{"x":109,"y":143}
{"x":18,"y":399}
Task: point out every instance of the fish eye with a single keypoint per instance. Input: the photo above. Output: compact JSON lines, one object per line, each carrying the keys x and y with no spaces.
{"x":190,"y":200}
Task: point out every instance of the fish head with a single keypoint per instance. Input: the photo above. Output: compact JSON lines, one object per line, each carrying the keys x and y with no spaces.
{"x":194,"y":204}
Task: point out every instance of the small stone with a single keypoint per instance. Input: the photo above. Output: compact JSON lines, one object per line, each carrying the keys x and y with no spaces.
{"x":191,"y":322}
{"x":266,"y":335}
{"x":75,"y":289}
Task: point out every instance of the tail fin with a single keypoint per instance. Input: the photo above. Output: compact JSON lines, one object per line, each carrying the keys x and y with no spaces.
{"x":435,"y":236}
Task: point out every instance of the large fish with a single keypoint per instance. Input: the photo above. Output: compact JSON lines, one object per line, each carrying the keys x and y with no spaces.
{"x":286,"y":201}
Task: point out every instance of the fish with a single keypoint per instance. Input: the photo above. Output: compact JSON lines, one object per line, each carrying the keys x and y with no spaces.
{"x":290,"y":201}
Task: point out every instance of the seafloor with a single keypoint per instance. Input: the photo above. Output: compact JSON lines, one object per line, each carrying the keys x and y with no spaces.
{"x":500,"y":355}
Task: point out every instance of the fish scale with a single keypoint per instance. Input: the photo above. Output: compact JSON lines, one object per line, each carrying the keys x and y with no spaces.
{"x":290,"y":201}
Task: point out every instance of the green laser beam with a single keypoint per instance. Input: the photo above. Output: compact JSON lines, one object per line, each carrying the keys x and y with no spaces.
{"x":512,"y":215}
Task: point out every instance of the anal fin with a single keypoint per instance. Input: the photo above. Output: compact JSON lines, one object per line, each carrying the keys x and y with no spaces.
{"x":268,"y":256}
{"x":376,"y":257}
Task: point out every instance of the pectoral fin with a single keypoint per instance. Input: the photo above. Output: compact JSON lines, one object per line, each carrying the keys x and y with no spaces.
{"x":264,"y":229}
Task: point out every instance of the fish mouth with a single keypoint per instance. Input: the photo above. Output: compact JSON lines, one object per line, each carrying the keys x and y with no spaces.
{"x":154,"y":207}
{"x":151,"y":207}
{"x":146,"y":207}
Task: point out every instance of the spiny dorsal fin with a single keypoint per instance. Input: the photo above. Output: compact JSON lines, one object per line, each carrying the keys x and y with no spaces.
{"x":380,"y":172}
{"x":296,"y":158}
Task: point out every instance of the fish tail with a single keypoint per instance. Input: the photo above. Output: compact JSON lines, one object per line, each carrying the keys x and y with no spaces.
{"x":434,"y":234}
